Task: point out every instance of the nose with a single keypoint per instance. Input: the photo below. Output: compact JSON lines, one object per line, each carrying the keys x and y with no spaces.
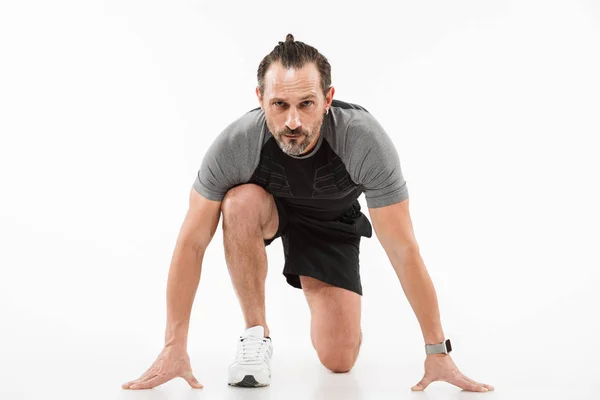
{"x":293,"y":119}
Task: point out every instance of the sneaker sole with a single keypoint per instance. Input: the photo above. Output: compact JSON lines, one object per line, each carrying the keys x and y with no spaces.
{"x":249,"y":382}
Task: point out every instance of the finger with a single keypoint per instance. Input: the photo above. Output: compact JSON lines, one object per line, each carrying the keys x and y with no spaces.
{"x":192,"y":381}
{"x":149,"y":384}
{"x":488,"y":387}
{"x":137,"y":381}
{"x":462,"y":383}
{"x":423,"y":383}
{"x":150,"y":372}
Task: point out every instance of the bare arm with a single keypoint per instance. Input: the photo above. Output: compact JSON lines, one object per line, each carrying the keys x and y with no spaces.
{"x":198,"y":228}
{"x":394,"y":230}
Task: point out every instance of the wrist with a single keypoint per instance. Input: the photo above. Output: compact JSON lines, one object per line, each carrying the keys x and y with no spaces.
{"x":435,"y":339}
{"x":176,"y":346}
{"x":176,"y":338}
{"x":438,"y":355}
{"x":444,"y":347}
{"x":175,"y":341}
{"x":432,"y":342}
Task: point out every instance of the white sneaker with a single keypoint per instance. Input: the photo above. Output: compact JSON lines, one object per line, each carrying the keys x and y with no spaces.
{"x":252,"y":366}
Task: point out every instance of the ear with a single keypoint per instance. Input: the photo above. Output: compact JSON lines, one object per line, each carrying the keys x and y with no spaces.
{"x":259,"y":97}
{"x":329,"y":97}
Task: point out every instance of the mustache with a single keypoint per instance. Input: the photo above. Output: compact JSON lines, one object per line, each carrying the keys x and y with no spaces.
{"x":292,"y":133}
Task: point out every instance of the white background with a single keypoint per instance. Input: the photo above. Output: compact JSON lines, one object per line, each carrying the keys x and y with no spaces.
{"x":107,"y":107}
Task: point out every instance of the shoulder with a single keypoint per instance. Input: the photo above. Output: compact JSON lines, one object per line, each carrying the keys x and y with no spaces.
{"x":232,"y":156}
{"x":369,"y":154}
{"x":245,"y":130}
{"x":344,"y":115}
{"x":354,"y":128}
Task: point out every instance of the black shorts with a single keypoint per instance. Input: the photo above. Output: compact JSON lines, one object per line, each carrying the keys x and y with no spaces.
{"x":324,"y":250}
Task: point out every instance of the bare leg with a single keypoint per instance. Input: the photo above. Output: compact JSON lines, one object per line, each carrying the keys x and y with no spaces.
{"x":249,"y":217}
{"x":335,"y":323}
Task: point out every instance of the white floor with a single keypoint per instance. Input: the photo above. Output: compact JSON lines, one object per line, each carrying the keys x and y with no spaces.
{"x":94,"y":367}
{"x":81,"y":338}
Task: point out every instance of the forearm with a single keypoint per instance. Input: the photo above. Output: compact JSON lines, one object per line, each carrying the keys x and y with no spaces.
{"x":420,"y":292}
{"x":182,"y":284}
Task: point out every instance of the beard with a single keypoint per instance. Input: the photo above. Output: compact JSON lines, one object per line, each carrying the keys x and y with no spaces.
{"x":296,"y":145}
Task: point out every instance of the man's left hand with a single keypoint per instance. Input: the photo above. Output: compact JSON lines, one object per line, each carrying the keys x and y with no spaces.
{"x":440,"y":367}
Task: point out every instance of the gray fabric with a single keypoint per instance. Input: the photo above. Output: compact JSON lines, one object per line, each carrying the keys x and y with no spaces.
{"x":365,"y":149}
{"x":369,"y":155}
{"x":232,"y":157}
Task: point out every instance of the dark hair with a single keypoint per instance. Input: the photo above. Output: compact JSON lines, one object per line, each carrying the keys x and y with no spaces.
{"x":293,"y":54}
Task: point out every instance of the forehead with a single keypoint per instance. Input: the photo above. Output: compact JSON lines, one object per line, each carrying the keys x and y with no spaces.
{"x":289,"y":83}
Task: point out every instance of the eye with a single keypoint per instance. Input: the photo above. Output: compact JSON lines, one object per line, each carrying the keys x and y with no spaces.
{"x":310,"y":103}
{"x":279,"y":103}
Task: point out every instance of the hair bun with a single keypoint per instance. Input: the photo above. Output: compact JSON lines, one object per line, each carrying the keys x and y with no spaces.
{"x":289,"y":37}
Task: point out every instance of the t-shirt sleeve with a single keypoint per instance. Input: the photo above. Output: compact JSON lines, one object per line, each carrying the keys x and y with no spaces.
{"x":229,"y":160}
{"x":374,"y":162}
{"x":217,"y":173}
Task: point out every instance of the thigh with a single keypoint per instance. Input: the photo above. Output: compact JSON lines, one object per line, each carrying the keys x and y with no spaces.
{"x":335,"y":317}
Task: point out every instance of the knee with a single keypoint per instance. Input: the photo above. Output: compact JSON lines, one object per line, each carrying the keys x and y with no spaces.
{"x":242,"y":199}
{"x":339,"y":359}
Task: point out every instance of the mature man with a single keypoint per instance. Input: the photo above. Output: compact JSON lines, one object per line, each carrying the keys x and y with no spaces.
{"x":294,"y":168}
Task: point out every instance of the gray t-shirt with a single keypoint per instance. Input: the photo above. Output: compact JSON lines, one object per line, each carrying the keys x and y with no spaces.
{"x":353,"y":155}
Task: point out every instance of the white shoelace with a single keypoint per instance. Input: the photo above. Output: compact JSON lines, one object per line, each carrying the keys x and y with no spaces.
{"x":252,"y":350}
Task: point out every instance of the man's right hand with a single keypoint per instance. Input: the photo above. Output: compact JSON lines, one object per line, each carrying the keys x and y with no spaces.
{"x":172,"y":362}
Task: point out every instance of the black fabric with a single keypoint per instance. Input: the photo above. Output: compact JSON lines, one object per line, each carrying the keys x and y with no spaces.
{"x":318,"y":186}
{"x":327,"y":250}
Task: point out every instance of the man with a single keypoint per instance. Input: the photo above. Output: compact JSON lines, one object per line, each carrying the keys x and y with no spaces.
{"x":294,"y":168}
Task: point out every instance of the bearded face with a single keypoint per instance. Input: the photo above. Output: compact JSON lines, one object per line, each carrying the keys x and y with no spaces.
{"x":294,"y":106}
{"x":296,"y":142}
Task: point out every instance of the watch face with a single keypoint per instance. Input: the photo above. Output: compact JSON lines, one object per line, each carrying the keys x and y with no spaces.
{"x":448,"y":345}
